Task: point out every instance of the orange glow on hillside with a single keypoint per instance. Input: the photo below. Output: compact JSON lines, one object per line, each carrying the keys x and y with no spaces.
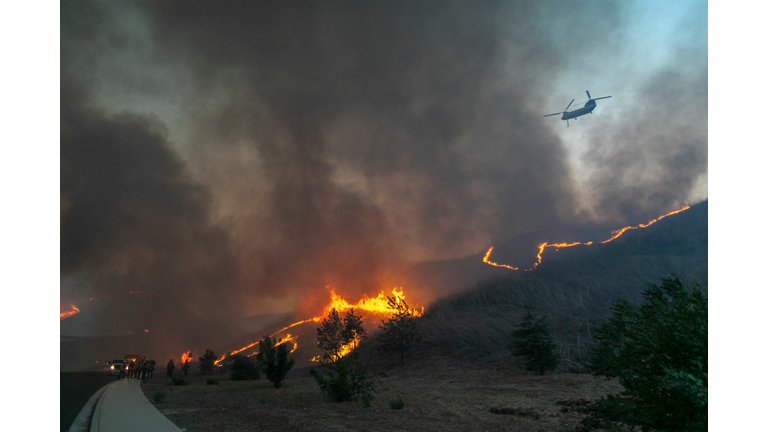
{"x":614,"y":235}
{"x":68,"y":314}
{"x":378,"y":305}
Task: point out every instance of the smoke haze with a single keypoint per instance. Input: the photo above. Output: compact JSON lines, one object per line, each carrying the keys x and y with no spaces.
{"x":236,"y":158}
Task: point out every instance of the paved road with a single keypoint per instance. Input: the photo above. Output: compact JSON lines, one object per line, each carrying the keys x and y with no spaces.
{"x":124,"y":408}
{"x":76,"y":388}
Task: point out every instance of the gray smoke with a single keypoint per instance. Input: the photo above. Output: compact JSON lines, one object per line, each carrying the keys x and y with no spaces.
{"x":298,"y":145}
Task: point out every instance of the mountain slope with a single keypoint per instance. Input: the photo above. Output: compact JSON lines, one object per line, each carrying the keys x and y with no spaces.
{"x":574,"y":287}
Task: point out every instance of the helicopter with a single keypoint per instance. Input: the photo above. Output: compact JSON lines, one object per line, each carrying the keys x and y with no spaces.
{"x":587,"y":109}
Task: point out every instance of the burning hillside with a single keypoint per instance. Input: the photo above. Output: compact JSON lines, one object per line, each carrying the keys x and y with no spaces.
{"x":372,"y":308}
{"x":614,"y":235}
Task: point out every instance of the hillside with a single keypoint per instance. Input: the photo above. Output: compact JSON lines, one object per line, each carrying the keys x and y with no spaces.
{"x":574,"y":287}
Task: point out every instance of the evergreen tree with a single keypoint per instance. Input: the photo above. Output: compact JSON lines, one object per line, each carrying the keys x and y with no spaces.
{"x":206,"y":362}
{"x":400,"y":333}
{"x":273,"y":361}
{"x":330,"y":337}
{"x":346,"y":377}
{"x":335,"y":334}
{"x":354,"y":332}
{"x":533,"y":342}
{"x":659,"y":355}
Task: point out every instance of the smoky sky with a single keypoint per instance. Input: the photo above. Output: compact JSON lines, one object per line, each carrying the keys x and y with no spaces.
{"x":243,"y":151}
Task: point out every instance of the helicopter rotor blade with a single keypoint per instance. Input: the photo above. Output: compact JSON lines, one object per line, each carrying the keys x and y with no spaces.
{"x":604,"y":97}
{"x":569,"y":105}
{"x":588,"y":95}
{"x":552,"y":114}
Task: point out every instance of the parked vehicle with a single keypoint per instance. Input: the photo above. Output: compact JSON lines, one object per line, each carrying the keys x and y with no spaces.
{"x":115,"y":365}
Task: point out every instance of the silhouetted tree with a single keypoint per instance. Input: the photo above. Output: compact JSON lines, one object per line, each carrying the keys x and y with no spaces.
{"x":330,"y":337}
{"x":354,"y":332}
{"x":659,"y":355}
{"x":335,"y":334}
{"x":243,"y":369}
{"x":273,"y":361}
{"x":533,"y":342}
{"x":346,"y":377}
{"x":206,"y":362}
{"x":401,"y":332}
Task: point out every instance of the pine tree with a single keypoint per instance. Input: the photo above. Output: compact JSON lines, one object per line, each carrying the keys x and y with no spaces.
{"x":659,"y":355}
{"x":206,"y":362}
{"x":273,"y":361}
{"x":346,"y":377}
{"x":401,"y":332}
{"x":330,"y":337}
{"x":533,"y":342}
{"x":354,"y":332}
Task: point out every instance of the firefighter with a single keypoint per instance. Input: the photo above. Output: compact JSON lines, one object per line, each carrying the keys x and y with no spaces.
{"x":131,"y":368}
{"x":151,"y":368}
{"x":170,"y":368}
{"x":143,"y":369}
{"x":185,"y":368}
{"x":121,"y":375}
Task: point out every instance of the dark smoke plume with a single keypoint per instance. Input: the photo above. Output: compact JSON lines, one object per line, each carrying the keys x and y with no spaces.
{"x":329,"y":143}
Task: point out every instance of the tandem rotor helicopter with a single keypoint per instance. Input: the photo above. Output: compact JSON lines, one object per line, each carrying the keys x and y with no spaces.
{"x":587,"y":109}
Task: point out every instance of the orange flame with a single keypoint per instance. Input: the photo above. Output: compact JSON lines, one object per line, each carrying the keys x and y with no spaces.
{"x":68,"y":314}
{"x":378,"y":304}
{"x":614,"y":235}
{"x":286,"y":339}
{"x":186,"y":356}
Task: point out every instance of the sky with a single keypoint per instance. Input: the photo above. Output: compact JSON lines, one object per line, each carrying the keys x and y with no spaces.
{"x":537,"y":68}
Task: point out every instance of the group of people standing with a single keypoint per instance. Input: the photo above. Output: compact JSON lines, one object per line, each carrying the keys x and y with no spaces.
{"x":138,"y":369}
{"x":170,"y":367}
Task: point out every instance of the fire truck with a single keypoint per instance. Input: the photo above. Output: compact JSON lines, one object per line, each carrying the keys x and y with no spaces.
{"x":115,"y":365}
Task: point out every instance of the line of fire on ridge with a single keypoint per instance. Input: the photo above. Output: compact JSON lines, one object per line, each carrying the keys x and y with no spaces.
{"x":614,"y":235}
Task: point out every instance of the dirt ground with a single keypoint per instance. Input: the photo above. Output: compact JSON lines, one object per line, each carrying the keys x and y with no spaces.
{"x":438,"y":395}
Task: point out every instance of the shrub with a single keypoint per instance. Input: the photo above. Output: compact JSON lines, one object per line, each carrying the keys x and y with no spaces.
{"x":179,"y":381}
{"x":212,"y":381}
{"x":273,"y":361}
{"x":177,"y":378}
{"x":206,"y":362}
{"x":346,"y":379}
{"x":243,"y":369}
{"x":533,"y":342}
{"x":659,"y":355}
{"x":158,"y":397}
{"x":400,"y":333}
{"x":397,"y":404}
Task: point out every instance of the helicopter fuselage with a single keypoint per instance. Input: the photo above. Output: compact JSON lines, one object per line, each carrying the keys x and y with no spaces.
{"x":586,"y":109}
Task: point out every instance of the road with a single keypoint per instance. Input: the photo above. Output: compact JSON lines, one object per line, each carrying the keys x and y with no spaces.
{"x":76,"y":389}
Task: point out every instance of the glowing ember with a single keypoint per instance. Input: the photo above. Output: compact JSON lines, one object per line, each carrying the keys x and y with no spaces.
{"x":146,"y":331}
{"x":186,"y":356}
{"x":614,"y":235}
{"x":68,"y":314}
